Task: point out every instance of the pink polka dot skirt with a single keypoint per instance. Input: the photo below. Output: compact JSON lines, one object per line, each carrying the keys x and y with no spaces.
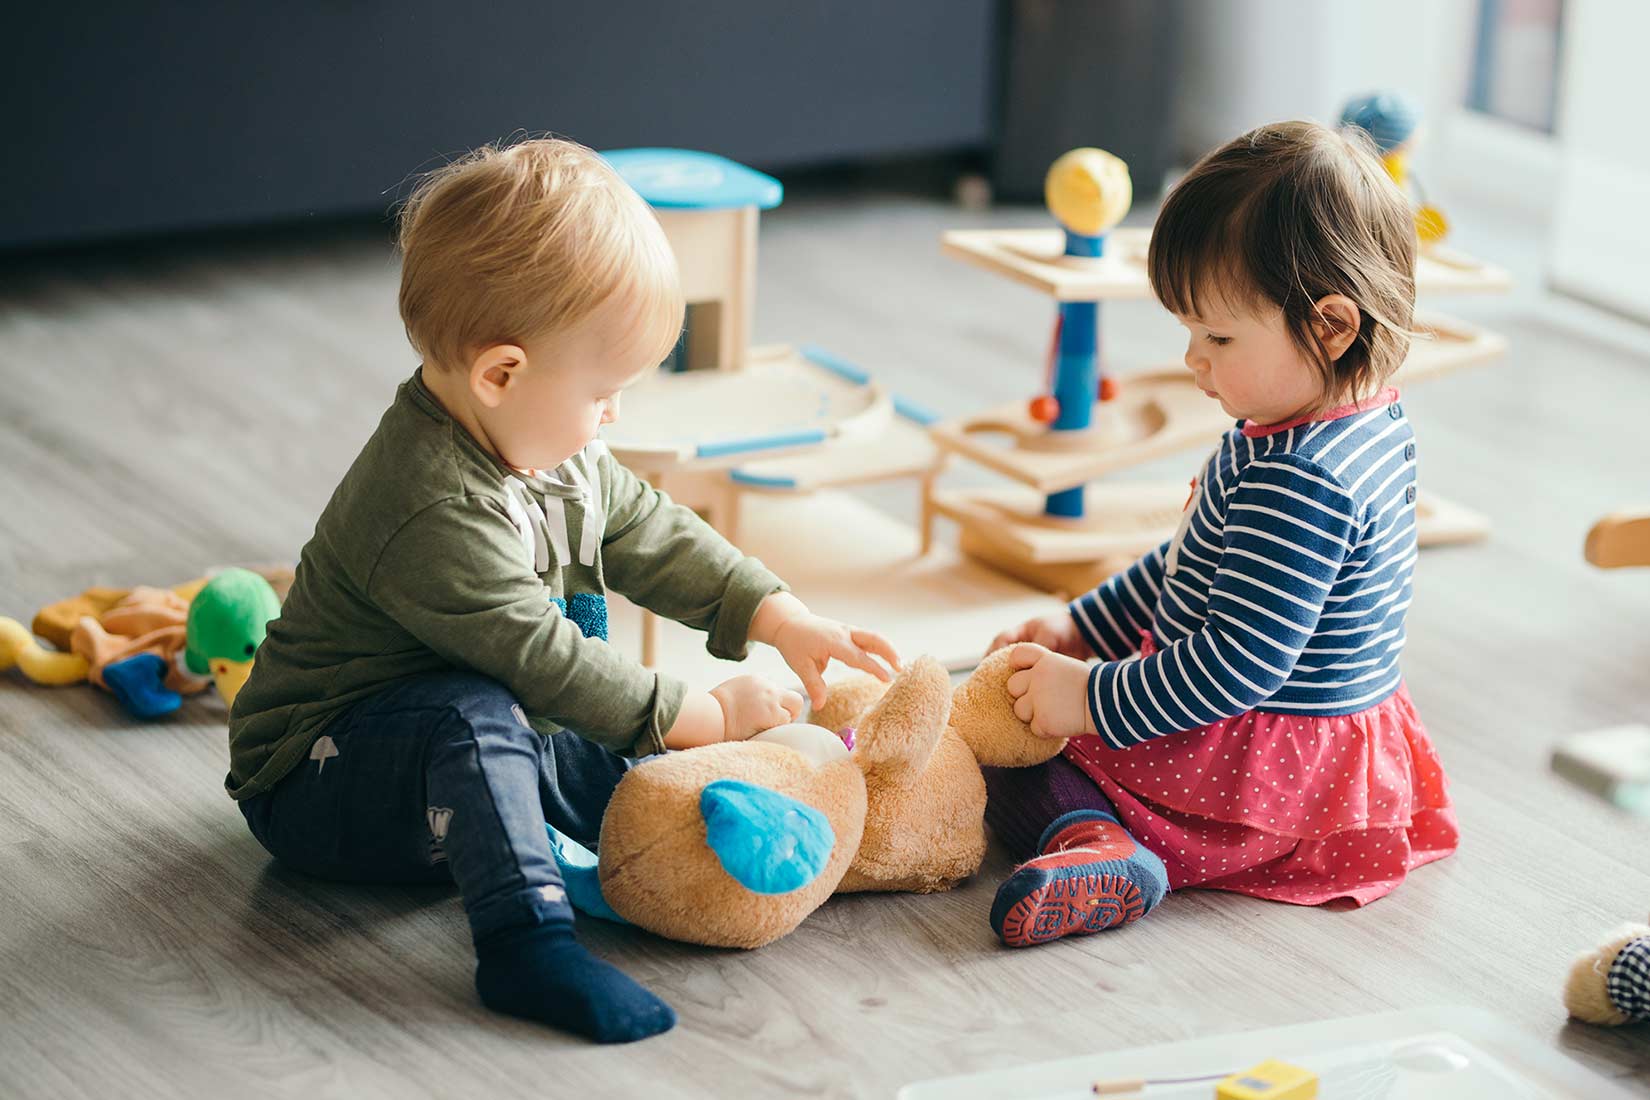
{"x":1289,"y":807}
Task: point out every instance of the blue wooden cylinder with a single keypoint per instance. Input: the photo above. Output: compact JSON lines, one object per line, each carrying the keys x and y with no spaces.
{"x":1076,"y":370}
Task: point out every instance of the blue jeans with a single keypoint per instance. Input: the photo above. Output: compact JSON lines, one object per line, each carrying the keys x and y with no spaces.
{"x":437,"y":779}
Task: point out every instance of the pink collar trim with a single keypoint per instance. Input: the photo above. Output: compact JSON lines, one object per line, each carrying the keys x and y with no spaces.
{"x":1385,"y":397}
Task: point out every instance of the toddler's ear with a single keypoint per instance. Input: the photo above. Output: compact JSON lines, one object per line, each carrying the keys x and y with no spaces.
{"x":982,"y":713}
{"x":1337,"y":323}
{"x":492,"y":369}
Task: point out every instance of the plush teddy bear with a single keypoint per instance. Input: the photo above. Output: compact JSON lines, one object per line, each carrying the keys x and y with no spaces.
{"x":733,"y":845}
{"x":1611,"y":983}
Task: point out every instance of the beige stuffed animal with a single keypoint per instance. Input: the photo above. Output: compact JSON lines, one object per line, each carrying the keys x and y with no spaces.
{"x":1611,"y":983}
{"x":733,"y":845}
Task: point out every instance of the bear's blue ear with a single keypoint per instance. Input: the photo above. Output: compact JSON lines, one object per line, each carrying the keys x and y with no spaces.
{"x":769,"y":843}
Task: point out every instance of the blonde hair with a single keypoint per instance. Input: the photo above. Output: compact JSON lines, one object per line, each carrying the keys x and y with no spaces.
{"x":1284,"y":215}
{"x":514,"y":242}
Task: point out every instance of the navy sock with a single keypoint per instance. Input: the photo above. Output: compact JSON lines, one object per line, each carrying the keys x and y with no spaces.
{"x":542,"y":973}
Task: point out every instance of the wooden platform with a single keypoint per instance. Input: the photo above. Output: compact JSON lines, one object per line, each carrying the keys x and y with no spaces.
{"x":1007,"y":529}
{"x":1034,"y":258}
{"x":902,"y":449}
{"x":1159,"y":411}
{"x":782,"y":401}
{"x":1440,"y":521}
{"x":1443,"y":344}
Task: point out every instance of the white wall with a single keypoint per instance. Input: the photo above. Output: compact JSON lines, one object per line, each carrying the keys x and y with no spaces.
{"x":1252,"y":61}
{"x":1601,"y":228}
{"x":1585,"y":190}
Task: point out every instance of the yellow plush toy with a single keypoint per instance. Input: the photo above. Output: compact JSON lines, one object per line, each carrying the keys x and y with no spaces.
{"x":733,"y":845}
{"x":149,"y":647}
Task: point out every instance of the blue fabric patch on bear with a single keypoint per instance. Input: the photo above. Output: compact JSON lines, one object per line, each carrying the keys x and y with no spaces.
{"x":770,"y":843}
{"x":588,"y":612}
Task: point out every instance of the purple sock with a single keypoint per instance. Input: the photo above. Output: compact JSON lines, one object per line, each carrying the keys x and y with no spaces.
{"x":1021,"y":802}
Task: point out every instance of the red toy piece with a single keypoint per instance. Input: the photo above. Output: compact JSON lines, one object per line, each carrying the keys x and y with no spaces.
{"x":1044,"y":409}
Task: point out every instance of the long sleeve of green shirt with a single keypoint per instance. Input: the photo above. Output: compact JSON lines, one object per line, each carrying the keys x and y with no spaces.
{"x":433,"y":556}
{"x":665,"y":558}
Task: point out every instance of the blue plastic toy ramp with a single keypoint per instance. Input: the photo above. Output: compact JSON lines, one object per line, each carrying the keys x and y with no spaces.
{"x":683,"y":179}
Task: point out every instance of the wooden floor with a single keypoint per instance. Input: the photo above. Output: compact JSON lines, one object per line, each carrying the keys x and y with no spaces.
{"x":162,"y":410}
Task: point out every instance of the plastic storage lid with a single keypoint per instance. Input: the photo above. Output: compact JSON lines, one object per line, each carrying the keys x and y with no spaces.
{"x":689,"y":180}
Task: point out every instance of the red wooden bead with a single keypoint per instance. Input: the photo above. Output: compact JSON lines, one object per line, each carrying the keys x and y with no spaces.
{"x":1108,"y":388}
{"x":1044,"y":409}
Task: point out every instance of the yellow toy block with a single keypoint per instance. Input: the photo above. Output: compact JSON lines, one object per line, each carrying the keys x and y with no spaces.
{"x":1271,"y":1080}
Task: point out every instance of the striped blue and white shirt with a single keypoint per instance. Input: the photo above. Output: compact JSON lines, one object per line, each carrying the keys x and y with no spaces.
{"x":1284,"y":590}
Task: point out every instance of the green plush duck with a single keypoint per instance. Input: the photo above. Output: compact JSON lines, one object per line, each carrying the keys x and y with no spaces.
{"x":227,"y":622}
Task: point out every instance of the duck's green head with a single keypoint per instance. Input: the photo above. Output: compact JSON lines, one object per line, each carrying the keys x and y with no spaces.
{"x":226,"y":625}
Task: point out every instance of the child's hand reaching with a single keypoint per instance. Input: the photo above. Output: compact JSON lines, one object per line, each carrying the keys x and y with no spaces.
{"x":1057,"y":632}
{"x":751,"y":704}
{"x":735,"y":710}
{"x":1050,"y":691}
{"x":808,"y":643}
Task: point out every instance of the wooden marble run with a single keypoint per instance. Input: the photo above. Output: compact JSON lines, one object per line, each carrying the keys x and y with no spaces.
{"x":689,"y":428}
{"x":827,"y":423}
{"x":721,"y":419}
{"x":1064,"y":530}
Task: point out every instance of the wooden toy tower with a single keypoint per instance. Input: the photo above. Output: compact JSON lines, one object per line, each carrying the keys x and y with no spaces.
{"x":709,"y":208}
{"x":719,"y":403}
{"x":722,"y":419}
{"x":1065,"y":530}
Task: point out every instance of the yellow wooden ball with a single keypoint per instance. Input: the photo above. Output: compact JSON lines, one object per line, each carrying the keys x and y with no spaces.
{"x":1088,"y":191}
{"x":1431,"y":225}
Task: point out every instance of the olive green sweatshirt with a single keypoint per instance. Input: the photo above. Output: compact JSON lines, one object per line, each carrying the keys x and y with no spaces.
{"x":434,"y":556}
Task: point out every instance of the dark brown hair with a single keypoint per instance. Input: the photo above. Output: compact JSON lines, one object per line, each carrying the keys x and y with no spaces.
{"x":1283,"y":216}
